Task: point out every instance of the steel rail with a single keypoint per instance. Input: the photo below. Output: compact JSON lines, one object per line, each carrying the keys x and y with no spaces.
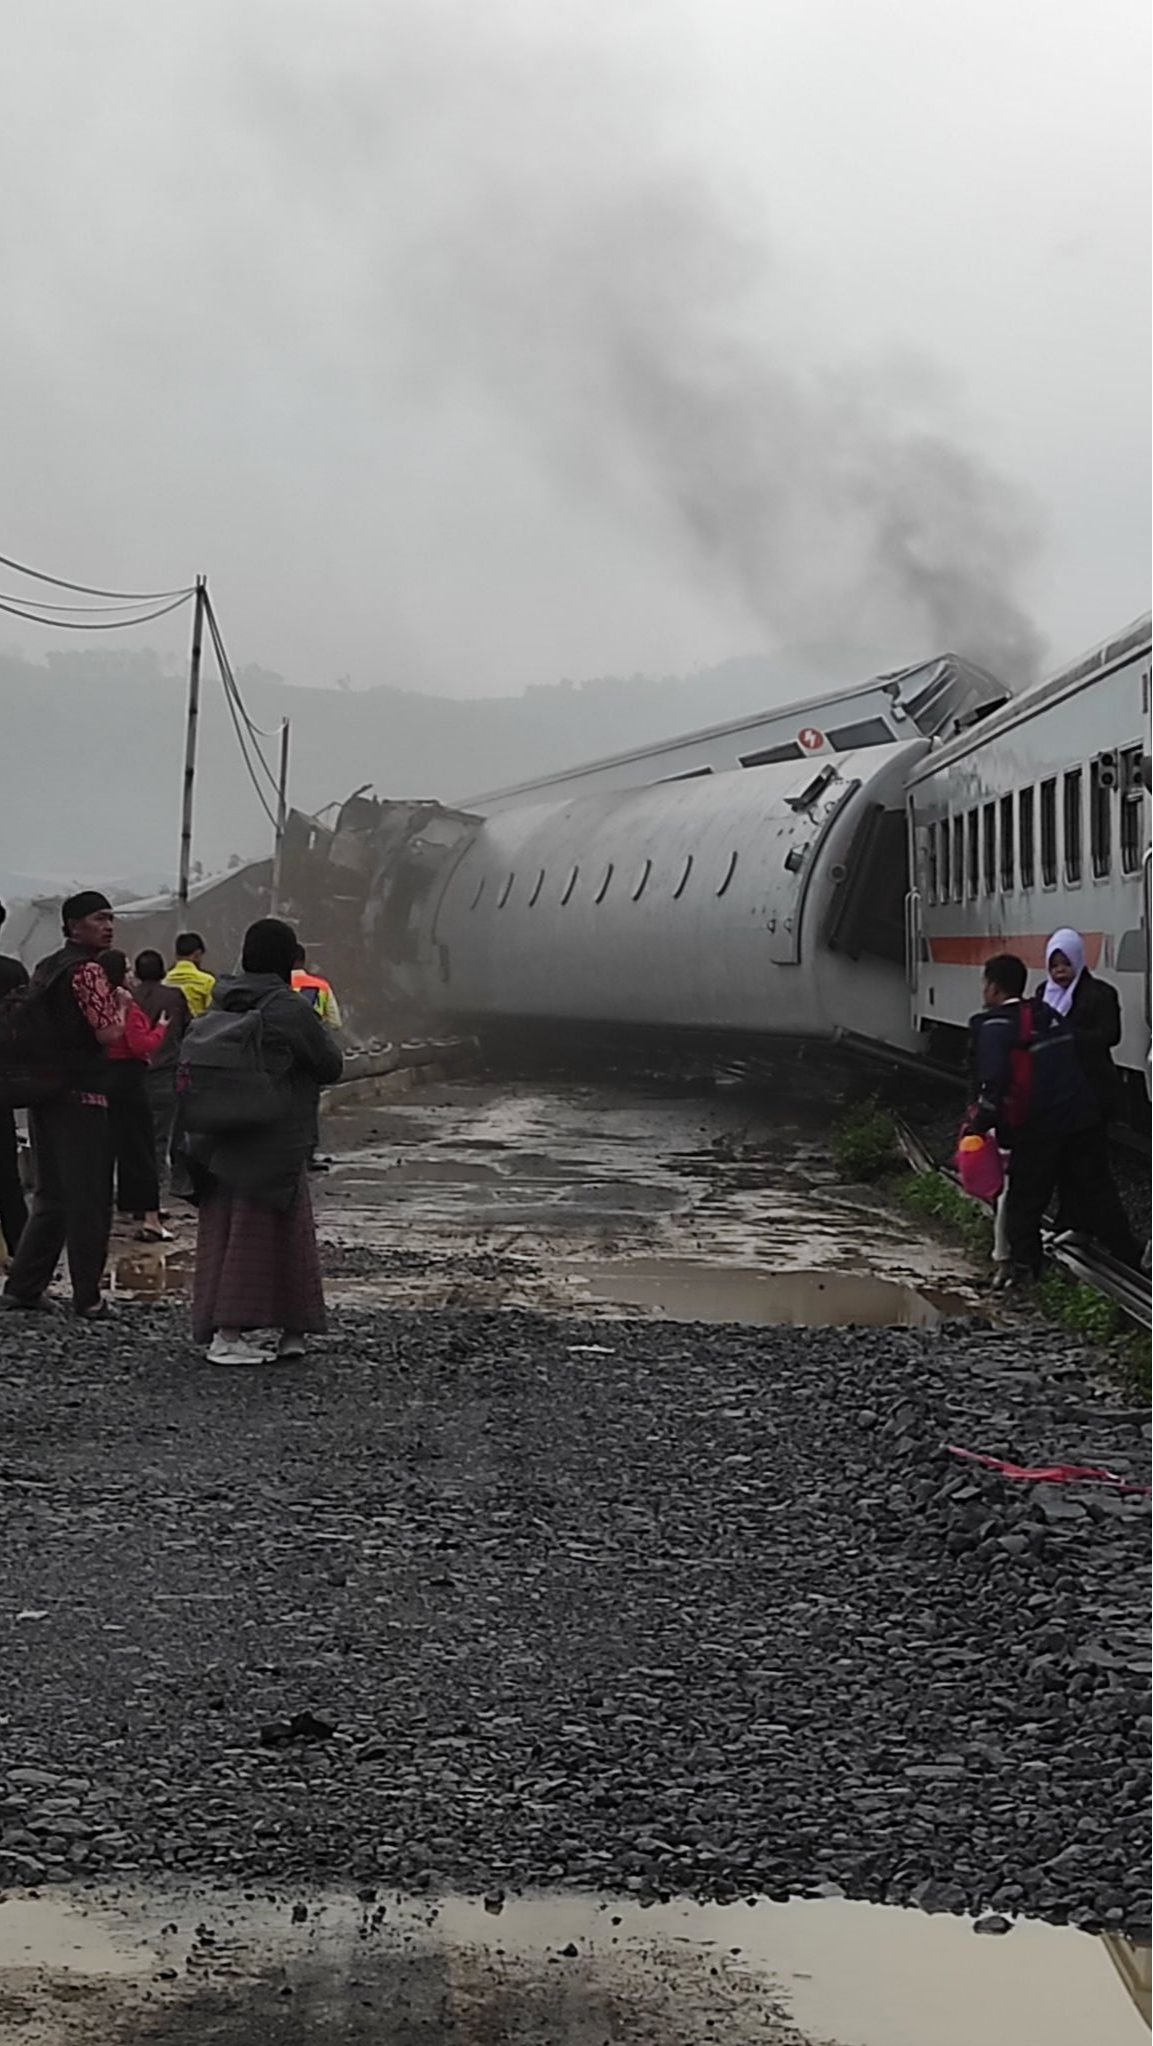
{"x":1129,"y":1290}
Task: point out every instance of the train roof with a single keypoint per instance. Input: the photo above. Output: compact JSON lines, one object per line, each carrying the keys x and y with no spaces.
{"x":1093,"y":666}
{"x":926,"y":693}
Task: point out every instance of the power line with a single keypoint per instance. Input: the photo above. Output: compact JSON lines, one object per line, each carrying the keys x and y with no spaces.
{"x":229,"y":678}
{"x":60,"y":582}
{"x":35,"y":604}
{"x":92,"y":625}
{"x":232,"y":699}
{"x":233,"y":696}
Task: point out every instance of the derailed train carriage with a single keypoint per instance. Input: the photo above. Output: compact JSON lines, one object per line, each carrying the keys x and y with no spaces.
{"x":812,"y":891}
{"x":1037,"y":819}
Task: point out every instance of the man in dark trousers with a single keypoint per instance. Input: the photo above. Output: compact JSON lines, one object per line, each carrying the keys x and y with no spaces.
{"x":72,"y":1203}
{"x":1030,"y":1089}
{"x":13,"y":1213}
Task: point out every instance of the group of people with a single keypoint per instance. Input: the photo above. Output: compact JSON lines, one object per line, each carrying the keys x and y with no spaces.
{"x":105,"y":1121}
{"x":115,"y":1050}
{"x":1043,"y":1079}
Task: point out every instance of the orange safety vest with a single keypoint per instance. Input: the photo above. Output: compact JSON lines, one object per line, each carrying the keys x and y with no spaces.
{"x":314,"y":988}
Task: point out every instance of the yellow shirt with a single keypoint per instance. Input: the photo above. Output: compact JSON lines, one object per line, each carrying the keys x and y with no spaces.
{"x":195,"y":985}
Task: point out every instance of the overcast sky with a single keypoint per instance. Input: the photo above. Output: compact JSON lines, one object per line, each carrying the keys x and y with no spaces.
{"x":471,"y":343}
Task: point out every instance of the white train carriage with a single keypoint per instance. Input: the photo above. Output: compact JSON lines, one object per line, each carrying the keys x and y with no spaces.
{"x":765,"y":902}
{"x":1035,"y":818}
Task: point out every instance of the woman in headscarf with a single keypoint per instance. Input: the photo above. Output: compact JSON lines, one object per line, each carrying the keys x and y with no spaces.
{"x":1089,"y":1203}
{"x":257,"y":1267}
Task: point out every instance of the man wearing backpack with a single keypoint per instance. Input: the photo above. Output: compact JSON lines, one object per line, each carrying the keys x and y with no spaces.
{"x":1030,"y":1089}
{"x":13,"y":1212}
{"x":70,"y":1015}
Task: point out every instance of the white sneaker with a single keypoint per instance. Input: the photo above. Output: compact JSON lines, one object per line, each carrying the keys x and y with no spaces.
{"x":229,"y":1346}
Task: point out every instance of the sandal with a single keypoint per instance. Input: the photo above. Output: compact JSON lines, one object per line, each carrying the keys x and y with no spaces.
{"x":150,"y":1234}
{"x":99,"y":1311}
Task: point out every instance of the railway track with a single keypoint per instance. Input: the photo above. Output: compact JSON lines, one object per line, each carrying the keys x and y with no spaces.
{"x":1128,"y":1290}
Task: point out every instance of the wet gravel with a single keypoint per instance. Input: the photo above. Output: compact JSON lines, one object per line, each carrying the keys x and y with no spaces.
{"x":527,"y":1600}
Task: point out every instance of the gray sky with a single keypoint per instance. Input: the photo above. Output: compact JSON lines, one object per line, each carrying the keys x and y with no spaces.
{"x":470,"y":345}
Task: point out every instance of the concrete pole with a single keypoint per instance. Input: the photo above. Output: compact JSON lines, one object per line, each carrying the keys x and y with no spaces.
{"x":281,"y":820}
{"x":190,"y":751}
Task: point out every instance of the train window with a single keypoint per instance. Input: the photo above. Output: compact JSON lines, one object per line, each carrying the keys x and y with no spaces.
{"x":958,"y":859}
{"x":603,"y":890}
{"x":769,"y":754}
{"x":683,"y":883}
{"x":505,"y":892}
{"x":1008,"y":845}
{"x":943,"y":862}
{"x":989,"y":838}
{"x":869,"y":732}
{"x":537,"y":885}
{"x":569,"y":885}
{"x":1026,"y":845}
{"x":1049,"y":833}
{"x":1102,"y":781}
{"x":479,"y":892}
{"x":931,"y":862}
{"x":973,"y":850}
{"x":730,"y":870}
{"x":642,"y":880}
{"x":1072,"y":809}
{"x":1132,"y":808}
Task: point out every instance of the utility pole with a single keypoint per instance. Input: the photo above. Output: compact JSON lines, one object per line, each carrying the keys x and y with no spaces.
{"x":281,"y":820}
{"x":190,"y":749}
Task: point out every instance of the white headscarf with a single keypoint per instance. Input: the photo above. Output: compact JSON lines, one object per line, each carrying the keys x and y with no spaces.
{"x":1068,"y":942}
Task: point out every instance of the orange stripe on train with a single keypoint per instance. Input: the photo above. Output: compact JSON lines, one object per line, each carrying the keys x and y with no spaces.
{"x":965,"y":951}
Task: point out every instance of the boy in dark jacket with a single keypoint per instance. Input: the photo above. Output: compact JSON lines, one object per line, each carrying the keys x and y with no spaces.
{"x":1029,"y":1088}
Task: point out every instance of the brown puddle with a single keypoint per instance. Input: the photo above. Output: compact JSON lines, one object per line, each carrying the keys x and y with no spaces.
{"x":682,"y":1291}
{"x":149,"y":1275}
{"x":548,"y":1970}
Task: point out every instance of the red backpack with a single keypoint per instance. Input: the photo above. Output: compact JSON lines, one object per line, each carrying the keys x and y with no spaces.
{"x":1019,"y":1093}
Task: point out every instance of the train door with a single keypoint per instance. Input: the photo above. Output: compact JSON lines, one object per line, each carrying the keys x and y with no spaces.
{"x":914,"y":919}
{"x":1147,"y":919}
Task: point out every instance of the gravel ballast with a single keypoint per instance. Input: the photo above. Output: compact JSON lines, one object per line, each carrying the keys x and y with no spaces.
{"x":486,"y":1601}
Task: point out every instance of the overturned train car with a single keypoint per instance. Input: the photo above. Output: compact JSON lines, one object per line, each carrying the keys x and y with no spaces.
{"x":807,"y":893}
{"x":769,"y":903}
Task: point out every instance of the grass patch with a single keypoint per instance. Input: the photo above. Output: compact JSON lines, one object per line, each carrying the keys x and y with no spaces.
{"x":1086,"y":1313}
{"x":865,"y":1143}
{"x":932,"y":1198}
{"x":1063,"y":1300}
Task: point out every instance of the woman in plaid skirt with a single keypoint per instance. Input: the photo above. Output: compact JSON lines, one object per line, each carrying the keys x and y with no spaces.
{"x":257,"y":1290}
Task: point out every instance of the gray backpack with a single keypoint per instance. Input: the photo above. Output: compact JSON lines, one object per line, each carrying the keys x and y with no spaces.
{"x":222,"y":1079}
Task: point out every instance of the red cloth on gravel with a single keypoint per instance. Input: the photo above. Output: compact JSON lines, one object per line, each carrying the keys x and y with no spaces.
{"x":256,"y":1267}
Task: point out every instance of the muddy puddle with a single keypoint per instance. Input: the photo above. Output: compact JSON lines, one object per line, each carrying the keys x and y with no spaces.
{"x":604,"y":1201}
{"x":700,"y":1292}
{"x":548,"y":1970}
{"x":607,"y":1200}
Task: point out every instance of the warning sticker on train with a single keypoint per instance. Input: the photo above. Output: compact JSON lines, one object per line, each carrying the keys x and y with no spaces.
{"x":810,"y":738}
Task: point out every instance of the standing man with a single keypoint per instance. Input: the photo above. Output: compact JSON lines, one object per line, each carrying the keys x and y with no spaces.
{"x":72,"y":1202}
{"x":1030,"y":1089}
{"x":316,"y":991}
{"x":157,"y":998}
{"x":318,"y":994}
{"x":187,"y":973}
{"x":13,"y":1212}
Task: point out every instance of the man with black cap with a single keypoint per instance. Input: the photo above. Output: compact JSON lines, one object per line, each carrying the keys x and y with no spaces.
{"x":13,"y":1212}
{"x":78,"y":1015}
